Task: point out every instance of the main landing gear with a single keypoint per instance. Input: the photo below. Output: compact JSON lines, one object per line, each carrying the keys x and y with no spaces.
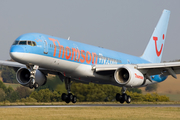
{"x":69,"y":97}
{"x":123,"y":97}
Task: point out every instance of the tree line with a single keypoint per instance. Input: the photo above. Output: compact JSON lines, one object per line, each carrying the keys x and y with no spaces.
{"x":11,"y":95}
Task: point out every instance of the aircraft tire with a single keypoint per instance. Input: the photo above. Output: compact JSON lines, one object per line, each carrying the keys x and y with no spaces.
{"x":67,"y":100}
{"x":121,"y":100}
{"x":117,"y":97}
{"x":128,"y":99}
{"x":63,"y":97}
{"x":30,"y":86}
{"x":124,"y":96}
{"x":36,"y":85}
{"x":70,"y":96}
{"x":74,"y":100}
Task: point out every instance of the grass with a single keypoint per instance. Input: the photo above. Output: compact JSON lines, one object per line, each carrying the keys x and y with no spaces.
{"x":87,"y":113}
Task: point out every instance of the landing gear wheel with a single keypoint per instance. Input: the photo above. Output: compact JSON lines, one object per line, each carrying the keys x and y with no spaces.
{"x":36,"y":85}
{"x":118,"y":96}
{"x":70,"y":96}
{"x":124,"y":96}
{"x":67,"y":100}
{"x":30,"y":85}
{"x":74,"y":100}
{"x":128,"y":99}
{"x":121,"y":99}
{"x":63,"y":96}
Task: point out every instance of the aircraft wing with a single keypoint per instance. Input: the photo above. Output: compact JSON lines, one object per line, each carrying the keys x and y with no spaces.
{"x":11,"y":64}
{"x":170,"y":68}
{"x":17,"y":65}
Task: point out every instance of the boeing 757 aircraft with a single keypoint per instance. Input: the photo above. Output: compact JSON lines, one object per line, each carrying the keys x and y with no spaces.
{"x":38,"y":55}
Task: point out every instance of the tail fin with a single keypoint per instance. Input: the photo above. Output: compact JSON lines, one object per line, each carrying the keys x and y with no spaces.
{"x":154,"y":49}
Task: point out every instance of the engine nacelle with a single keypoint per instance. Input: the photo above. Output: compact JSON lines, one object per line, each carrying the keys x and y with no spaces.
{"x":129,"y":76}
{"x":23,"y":77}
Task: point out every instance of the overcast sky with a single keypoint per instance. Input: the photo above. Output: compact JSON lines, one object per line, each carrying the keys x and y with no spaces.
{"x":120,"y":25}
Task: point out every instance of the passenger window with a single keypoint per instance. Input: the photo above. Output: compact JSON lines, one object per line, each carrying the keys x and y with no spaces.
{"x":22,"y":42}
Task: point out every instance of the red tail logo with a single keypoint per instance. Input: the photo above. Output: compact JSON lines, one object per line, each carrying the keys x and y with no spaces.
{"x":158,"y":52}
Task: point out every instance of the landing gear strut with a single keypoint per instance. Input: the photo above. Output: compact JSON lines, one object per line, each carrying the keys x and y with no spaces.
{"x":69,"y":97}
{"x":123,"y":97}
{"x":33,"y":83}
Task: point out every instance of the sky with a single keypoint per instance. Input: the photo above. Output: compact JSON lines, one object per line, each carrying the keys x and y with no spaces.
{"x":121,"y":25}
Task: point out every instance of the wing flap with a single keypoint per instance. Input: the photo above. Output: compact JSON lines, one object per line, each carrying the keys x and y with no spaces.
{"x":171,"y":68}
{"x":100,"y":68}
{"x":158,"y":65}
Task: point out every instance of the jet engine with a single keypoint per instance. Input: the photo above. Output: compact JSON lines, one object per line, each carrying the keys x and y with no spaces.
{"x":129,"y":76}
{"x":23,"y":77}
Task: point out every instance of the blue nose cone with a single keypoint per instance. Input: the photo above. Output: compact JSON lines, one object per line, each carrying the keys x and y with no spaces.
{"x":17,"y":53}
{"x":16,"y":49}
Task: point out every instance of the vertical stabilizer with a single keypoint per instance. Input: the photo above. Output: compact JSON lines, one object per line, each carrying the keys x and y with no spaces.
{"x":154,"y":49}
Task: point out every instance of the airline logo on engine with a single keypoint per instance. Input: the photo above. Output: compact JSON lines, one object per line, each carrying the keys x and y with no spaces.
{"x":138,"y":76}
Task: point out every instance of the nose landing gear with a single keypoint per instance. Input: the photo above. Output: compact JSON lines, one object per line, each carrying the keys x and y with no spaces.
{"x":33,"y":83}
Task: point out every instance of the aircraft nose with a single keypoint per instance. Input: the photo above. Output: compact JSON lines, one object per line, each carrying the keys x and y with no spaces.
{"x":16,"y":52}
{"x":16,"y":49}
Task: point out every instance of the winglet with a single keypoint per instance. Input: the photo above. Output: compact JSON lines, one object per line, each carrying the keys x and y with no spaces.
{"x":154,"y":49}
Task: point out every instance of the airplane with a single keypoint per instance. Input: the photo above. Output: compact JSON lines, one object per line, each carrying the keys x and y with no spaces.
{"x":38,"y":55}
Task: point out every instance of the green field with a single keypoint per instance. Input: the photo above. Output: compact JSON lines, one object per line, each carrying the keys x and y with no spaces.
{"x":87,"y":113}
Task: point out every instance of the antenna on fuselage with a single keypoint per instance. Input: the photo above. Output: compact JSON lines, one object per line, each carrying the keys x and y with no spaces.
{"x":68,"y":38}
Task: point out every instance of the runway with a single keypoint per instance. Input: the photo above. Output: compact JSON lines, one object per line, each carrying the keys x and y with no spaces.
{"x":92,"y":105}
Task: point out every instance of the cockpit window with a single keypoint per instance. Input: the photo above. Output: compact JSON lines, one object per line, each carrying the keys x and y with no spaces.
{"x":23,"y":43}
{"x":15,"y":42}
{"x":31,"y":43}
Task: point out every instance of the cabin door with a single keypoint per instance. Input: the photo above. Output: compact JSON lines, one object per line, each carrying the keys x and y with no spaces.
{"x":45,"y":47}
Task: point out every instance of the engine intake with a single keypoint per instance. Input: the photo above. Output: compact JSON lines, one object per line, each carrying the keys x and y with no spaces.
{"x":128,"y":76}
{"x":23,"y":77}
